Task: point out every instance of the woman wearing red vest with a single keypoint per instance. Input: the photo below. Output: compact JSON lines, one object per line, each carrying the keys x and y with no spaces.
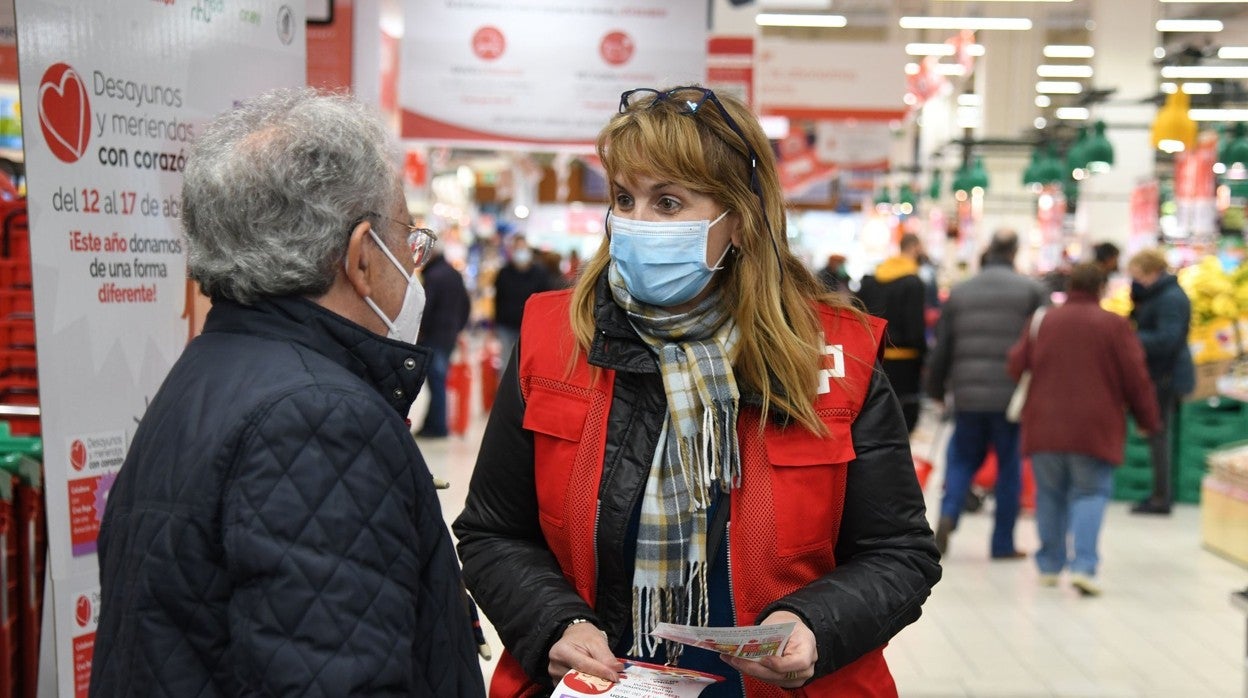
{"x":697,"y":433}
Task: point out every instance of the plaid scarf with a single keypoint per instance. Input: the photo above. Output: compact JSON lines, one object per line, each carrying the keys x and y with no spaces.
{"x":697,"y":447}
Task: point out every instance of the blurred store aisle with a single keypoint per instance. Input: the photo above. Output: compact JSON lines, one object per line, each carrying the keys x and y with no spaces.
{"x":1164,"y":626}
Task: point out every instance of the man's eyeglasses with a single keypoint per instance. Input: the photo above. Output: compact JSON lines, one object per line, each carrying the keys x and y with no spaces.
{"x":420,"y":240}
{"x":688,"y":100}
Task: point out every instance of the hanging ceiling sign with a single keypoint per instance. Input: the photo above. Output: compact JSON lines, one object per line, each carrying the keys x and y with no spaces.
{"x":830,"y":80}
{"x":531,"y":73}
{"x":730,"y":66}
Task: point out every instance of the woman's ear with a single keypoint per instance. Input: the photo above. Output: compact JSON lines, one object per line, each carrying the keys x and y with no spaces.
{"x":357,"y":262}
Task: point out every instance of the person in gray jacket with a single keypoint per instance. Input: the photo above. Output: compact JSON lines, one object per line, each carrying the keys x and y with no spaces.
{"x":981,"y":320}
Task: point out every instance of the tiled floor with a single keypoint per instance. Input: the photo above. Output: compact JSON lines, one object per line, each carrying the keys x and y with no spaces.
{"x":1164,"y":626}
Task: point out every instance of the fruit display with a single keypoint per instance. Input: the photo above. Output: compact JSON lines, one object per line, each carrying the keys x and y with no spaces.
{"x":1218,"y":300}
{"x":1214,"y":294}
{"x":1118,"y":301}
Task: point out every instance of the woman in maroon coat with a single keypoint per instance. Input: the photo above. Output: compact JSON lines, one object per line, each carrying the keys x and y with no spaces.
{"x":1086,"y":366}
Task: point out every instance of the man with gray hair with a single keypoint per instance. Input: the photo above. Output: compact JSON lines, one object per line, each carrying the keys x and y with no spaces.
{"x":977,"y":327}
{"x":274,"y":529}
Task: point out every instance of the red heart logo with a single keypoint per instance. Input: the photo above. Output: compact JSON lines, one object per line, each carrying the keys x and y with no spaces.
{"x":64,"y":112}
{"x":82,"y":611}
{"x":77,"y":455}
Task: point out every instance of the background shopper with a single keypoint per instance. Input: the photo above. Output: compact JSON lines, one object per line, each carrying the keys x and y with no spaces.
{"x":833,"y":275}
{"x":1079,"y":350}
{"x":274,"y":529}
{"x":613,"y":454}
{"x":1105,"y":255}
{"x":1162,"y":314}
{"x":446,"y":315}
{"x":977,"y":326}
{"x":896,"y":293}
{"x":520,"y":277}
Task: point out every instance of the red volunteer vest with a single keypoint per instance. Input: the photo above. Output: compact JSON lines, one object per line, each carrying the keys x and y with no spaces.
{"x":785,"y":515}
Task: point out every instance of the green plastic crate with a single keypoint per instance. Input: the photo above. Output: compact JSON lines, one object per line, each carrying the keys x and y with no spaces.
{"x":1132,"y":483}
{"x":26,"y":445}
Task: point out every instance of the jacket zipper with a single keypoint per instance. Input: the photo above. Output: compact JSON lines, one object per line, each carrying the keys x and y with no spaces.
{"x":732,"y":597}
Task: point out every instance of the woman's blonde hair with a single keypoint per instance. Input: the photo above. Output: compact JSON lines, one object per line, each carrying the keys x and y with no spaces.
{"x":769,"y":289}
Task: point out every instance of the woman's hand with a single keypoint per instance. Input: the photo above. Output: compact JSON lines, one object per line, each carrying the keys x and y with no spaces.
{"x":583,"y":647}
{"x":793,"y":668}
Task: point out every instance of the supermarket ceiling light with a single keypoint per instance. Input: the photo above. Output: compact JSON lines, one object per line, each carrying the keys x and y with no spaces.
{"x":919,"y":49}
{"x":1043,"y":101}
{"x":1191,"y":88}
{"x":1218,"y":114}
{"x":951,"y":69}
{"x":1064,"y":71}
{"x":790,"y":5}
{"x":1072,"y":113}
{"x":776,"y":19}
{"x":1233,"y":53}
{"x":1058,"y":87}
{"x":970,"y":99}
{"x":1189,"y":25}
{"x":1068,"y":51}
{"x":971,"y":23}
{"x":1204,"y":72}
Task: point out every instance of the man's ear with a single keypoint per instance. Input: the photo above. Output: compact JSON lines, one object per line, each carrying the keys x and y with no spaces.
{"x":357,"y":261}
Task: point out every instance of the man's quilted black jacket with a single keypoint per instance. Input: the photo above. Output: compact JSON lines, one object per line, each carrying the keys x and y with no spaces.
{"x":274,"y":530}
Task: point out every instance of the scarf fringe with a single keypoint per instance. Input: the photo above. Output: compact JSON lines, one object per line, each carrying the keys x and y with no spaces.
{"x":687,"y":605}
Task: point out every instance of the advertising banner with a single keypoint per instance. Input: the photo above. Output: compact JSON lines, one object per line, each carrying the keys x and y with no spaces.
{"x":113,"y":96}
{"x":539,"y":72}
{"x":823,"y":80}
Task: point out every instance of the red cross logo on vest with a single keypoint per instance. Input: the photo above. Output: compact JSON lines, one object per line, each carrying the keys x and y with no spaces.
{"x":833,"y":366}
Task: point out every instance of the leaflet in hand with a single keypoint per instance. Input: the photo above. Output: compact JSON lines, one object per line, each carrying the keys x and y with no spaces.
{"x":638,"y":680}
{"x":751,"y":642}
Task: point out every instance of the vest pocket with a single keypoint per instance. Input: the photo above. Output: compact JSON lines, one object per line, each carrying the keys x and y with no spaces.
{"x":557,"y":420}
{"x":808,"y":486}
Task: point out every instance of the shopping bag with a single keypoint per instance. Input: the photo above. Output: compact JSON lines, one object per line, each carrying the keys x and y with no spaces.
{"x":1014,"y":411}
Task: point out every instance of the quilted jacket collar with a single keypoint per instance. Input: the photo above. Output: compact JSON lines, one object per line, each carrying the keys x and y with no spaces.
{"x":395,"y":369}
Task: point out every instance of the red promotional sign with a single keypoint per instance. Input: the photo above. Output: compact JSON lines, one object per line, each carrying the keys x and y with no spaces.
{"x":1193,"y":170}
{"x":926,"y":83}
{"x":329,"y":50}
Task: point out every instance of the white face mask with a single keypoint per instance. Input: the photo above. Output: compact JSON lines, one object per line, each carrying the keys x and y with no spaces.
{"x":406,"y":325}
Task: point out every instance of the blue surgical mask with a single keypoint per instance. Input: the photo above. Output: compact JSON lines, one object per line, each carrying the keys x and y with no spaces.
{"x":662,"y":263}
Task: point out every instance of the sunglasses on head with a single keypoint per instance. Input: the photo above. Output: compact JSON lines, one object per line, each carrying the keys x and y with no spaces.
{"x":689,"y":99}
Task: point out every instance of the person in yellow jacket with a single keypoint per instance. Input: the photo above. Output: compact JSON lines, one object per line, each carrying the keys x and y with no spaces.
{"x":896,"y":293}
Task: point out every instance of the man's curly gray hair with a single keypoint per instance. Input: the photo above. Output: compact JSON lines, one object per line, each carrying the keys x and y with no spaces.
{"x":272,"y":188}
